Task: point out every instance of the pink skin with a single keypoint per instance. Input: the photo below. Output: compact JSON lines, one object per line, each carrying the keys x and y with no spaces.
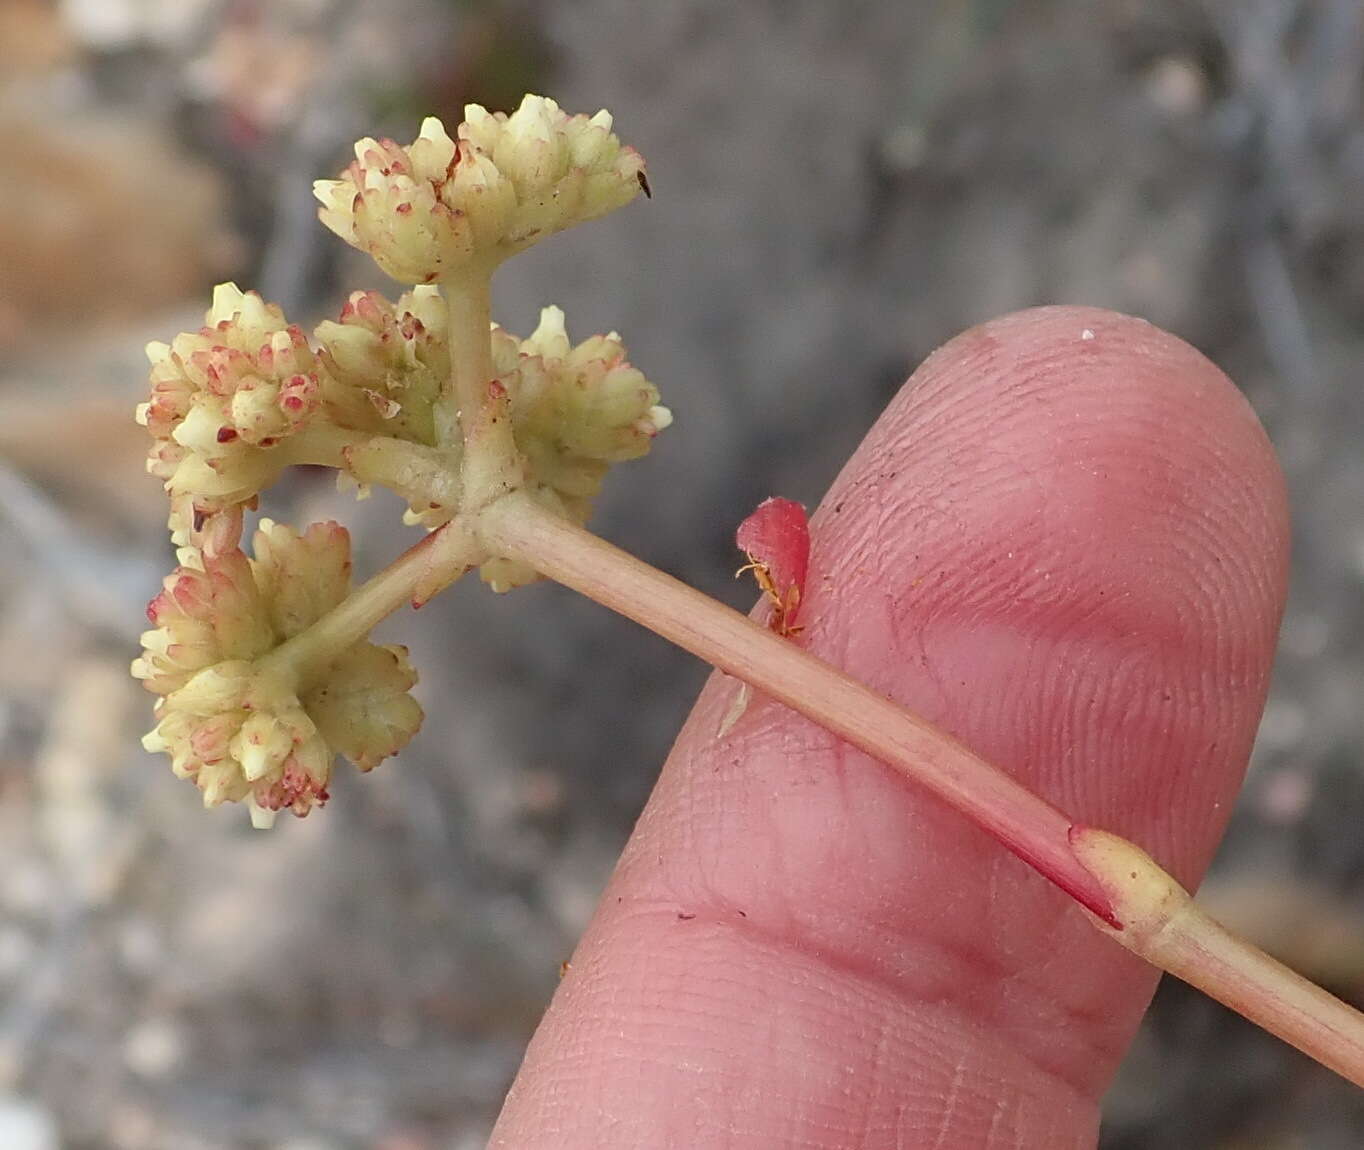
{"x":1068,"y":550}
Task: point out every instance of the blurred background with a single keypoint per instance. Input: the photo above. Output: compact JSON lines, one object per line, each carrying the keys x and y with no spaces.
{"x":839,"y":188}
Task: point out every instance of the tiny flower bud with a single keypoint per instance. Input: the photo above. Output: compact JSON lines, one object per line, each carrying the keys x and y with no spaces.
{"x":261,"y":745}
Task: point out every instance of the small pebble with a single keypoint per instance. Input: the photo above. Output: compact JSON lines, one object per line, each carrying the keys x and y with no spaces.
{"x":25,"y":1125}
{"x":154,"y":1047}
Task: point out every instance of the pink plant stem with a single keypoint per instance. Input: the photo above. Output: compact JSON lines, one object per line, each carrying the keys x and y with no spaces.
{"x":1167,"y":928}
{"x":424,"y":568}
{"x":1131,"y":898}
{"x":1029,"y":826}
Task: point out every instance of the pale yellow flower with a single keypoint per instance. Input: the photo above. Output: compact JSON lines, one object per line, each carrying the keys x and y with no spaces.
{"x":387,"y":363}
{"x":575,"y":411}
{"x":431,"y":210}
{"x":222,"y":399}
{"x":238,"y":726}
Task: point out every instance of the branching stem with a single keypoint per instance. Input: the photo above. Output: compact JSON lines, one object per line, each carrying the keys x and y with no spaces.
{"x":322,"y":444}
{"x":420,"y":571}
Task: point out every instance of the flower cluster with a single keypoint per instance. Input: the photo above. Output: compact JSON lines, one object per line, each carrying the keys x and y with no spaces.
{"x":387,"y":364}
{"x":260,"y":664}
{"x":241,"y":724}
{"x":222,"y":399}
{"x":576,"y":409}
{"x":431,"y":210}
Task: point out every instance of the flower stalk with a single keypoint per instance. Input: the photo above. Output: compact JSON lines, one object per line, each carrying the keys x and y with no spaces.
{"x":423,"y":570}
{"x":468,"y":300}
{"x":1161,"y":923}
{"x":1028,"y":825}
{"x":1128,"y":896}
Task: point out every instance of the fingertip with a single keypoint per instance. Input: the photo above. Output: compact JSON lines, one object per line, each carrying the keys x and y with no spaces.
{"x":1069,"y":503}
{"x":1065,"y":542}
{"x":1110,"y":391}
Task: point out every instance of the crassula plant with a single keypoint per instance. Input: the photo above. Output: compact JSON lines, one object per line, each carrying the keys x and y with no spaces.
{"x":259,"y":650}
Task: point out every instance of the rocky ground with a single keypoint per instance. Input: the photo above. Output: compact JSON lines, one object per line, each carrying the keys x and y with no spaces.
{"x":839,"y":189}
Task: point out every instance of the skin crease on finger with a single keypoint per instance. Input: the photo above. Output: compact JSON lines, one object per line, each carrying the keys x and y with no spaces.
{"x":1065,"y":542}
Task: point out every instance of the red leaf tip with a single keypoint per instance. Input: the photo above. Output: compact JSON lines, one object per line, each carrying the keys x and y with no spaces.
{"x":776,"y":539}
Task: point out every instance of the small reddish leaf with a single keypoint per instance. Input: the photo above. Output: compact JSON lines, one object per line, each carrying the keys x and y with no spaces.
{"x":776,"y":539}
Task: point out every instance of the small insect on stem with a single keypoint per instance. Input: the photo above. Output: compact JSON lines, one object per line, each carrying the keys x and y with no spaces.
{"x":776,"y":540}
